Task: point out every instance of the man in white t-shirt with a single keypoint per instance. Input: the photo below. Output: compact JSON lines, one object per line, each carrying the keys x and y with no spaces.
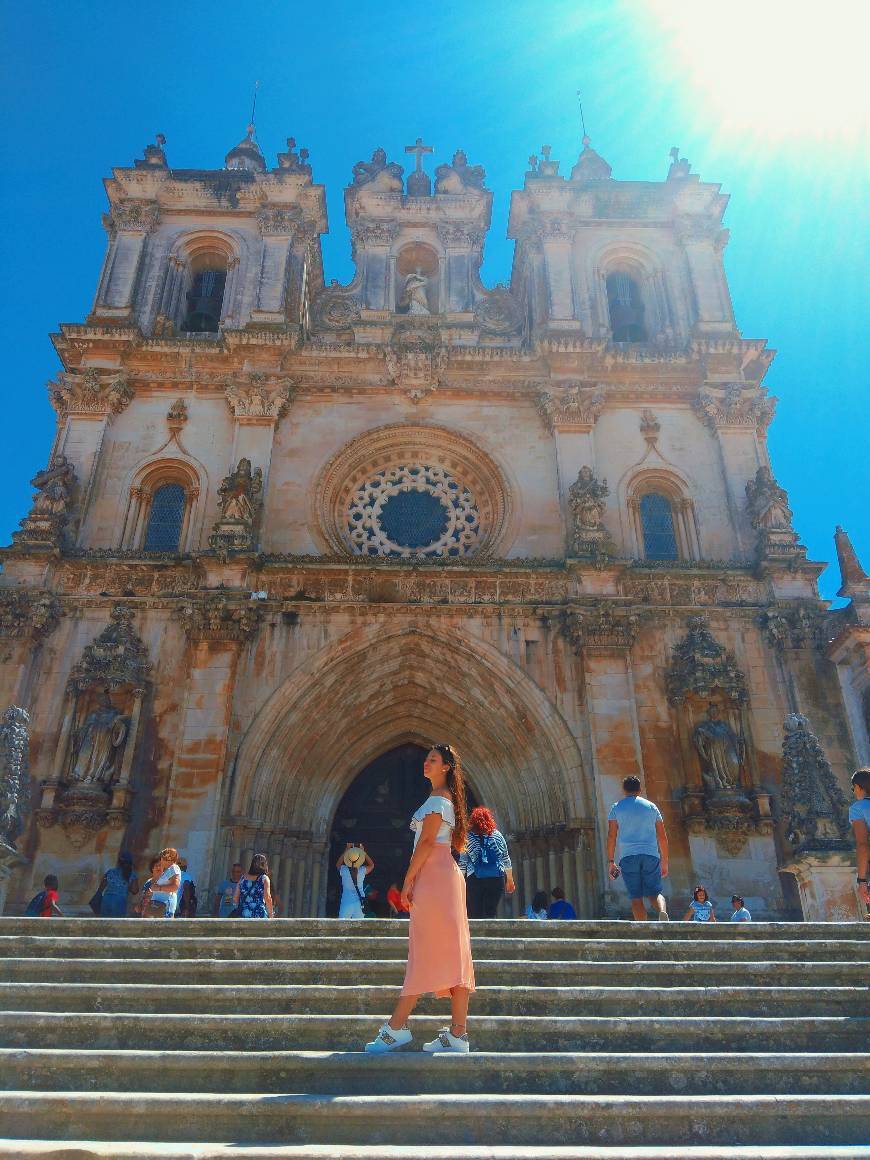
{"x":859,"y":816}
{"x":637,"y":825}
{"x":352,"y":896}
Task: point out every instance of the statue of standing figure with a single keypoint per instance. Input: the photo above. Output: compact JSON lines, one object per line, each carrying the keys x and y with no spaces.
{"x":52,"y":503}
{"x":239,"y":493}
{"x":98,"y":743}
{"x":768,"y":502}
{"x":414,"y":294}
{"x":586,"y":497}
{"x":721,"y":752}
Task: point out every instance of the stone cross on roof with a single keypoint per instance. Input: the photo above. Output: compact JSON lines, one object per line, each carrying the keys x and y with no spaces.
{"x":419,"y":183}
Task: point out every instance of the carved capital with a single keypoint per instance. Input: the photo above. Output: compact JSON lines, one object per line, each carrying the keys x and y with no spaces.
{"x":600,"y":626}
{"x":220,"y":618}
{"x":28,"y":613}
{"x":91,"y":393}
{"x":277,"y":220}
{"x":572,"y":406}
{"x":459,"y":237}
{"x":554,"y":229}
{"x":134,"y":216}
{"x":795,"y":626}
{"x":692,"y":229}
{"x":735,"y":405}
{"x":374,"y":234}
{"x":260,"y":398}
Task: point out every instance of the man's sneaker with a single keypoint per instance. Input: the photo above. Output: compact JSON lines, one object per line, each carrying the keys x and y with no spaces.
{"x":664,"y":916}
{"x":445,"y":1040}
{"x":389,"y":1040}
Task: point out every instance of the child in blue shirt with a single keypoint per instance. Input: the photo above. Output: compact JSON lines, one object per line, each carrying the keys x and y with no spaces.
{"x":700,"y":908}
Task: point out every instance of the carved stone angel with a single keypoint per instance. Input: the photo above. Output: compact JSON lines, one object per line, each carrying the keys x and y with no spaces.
{"x":768,"y":502}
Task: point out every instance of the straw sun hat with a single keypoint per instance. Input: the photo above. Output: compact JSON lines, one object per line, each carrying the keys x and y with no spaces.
{"x":354,"y":857}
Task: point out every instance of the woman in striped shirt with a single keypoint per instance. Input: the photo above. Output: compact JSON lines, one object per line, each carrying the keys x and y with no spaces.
{"x":486,"y":864}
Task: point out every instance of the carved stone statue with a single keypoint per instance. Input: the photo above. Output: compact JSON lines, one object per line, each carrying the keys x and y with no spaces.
{"x":814,"y":806}
{"x":98,"y":744}
{"x":239,"y":497}
{"x":721,"y":752}
{"x":586,"y":498}
{"x":14,"y":780}
{"x":51,"y":504}
{"x":459,"y":175}
{"x":768,"y":502}
{"x":365,"y":172}
{"x":414,"y":293}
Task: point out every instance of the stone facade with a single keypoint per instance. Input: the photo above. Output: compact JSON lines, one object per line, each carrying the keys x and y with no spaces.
{"x":300,"y":524}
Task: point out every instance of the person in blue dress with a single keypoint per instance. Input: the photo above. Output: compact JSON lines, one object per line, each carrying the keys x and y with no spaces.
{"x":117,"y":885}
{"x":700,"y":908}
{"x":253,"y":897}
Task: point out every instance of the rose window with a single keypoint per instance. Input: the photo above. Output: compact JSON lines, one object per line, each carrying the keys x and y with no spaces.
{"x":413,"y":510}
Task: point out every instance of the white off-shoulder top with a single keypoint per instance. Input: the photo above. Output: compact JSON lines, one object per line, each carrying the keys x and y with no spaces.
{"x":435,"y":805}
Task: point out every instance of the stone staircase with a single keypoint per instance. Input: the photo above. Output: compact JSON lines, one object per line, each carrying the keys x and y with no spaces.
{"x":221,"y":1038}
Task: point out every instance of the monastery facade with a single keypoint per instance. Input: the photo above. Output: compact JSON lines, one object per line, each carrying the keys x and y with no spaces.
{"x":292,"y":531}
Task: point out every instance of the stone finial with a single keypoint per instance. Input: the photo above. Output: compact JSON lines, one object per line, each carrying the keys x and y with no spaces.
{"x":590,"y":166}
{"x":701,"y":665}
{"x":855,"y":583}
{"x":14,"y":776}
{"x":814,"y":806}
{"x":44,"y":525}
{"x":246,"y":155}
{"x":650,"y":427}
{"x":291,"y":162}
{"x":154,"y":156}
{"x":679,"y":167}
{"x":176,"y":416}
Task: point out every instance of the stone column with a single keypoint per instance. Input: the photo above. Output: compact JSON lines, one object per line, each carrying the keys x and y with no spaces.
{"x":217,"y":628}
{"x":703,"y":240}
{"x":257,"y":402}
{"x":570,"y":411}
{"x":129,"y":225}
{"x":556,"y":236}
{"x":278,"y":227}
{"x":603,"y":636}
{"x":27,"y":617}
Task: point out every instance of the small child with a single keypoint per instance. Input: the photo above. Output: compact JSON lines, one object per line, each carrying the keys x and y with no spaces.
{"x":44,"y":904}
{"x":700,"y":908}
{"x":741,"y":914}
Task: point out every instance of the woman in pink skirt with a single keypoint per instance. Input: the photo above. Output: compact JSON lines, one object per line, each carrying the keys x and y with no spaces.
{"x":439,"y":944}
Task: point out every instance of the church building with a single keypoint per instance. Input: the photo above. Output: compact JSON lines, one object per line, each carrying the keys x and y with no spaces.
{"x":291,"y":532}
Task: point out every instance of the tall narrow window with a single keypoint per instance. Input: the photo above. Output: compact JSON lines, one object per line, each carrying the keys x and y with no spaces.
{"x":626,"y":309}
{"x":165,"y":518}
{"x":205,"y":301}
{"x":657,"y":524}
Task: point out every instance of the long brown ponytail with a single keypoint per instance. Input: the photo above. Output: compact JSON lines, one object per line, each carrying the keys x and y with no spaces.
{"x":456,"y":785}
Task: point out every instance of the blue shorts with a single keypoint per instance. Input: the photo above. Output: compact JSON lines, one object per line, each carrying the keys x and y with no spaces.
{"x":642,"y":874}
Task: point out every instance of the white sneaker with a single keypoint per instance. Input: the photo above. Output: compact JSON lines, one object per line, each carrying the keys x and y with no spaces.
{"x":664,"y":916}
{"x":445,"y":1040}
{"x":389,"y":1040}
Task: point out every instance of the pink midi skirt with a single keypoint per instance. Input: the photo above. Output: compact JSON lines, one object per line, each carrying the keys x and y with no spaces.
{"x":439,"y":943}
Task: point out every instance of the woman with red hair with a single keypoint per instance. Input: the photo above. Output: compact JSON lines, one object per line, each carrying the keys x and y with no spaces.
{"x":486,"y":865}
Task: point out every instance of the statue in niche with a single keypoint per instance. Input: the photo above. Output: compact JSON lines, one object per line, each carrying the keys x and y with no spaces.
{"x":239,"y":493}
{"x":721,"y":752}
{"x":97,"y":745}
{"x":414,"y":295}
{"x":14,"y":779}
{"x":768,"y":502}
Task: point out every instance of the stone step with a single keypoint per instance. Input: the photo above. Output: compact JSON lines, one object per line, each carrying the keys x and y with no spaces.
{"x":489,"y":972}
{"x":351,"y":1073}
{"x":453,"y":1119}
{"x":241,"y":997}
{"x":256,"y":1032}
{"x":105,"y":928}
{"x":360,"y":948}
{"x":121,"y":1150}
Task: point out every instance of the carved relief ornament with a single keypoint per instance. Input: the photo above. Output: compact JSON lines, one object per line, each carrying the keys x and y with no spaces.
{"x":277,"y":220}
{"x":89,"y":394}
{"x":259,"y":398}
{"x":701,"y":665}
{"x":115,"y":658}
{"x":134,"y":216}
{"x":814,"y":806}
{"x":219,"y":618}
{"x":735,"y":405}
{"x":600,"y":626}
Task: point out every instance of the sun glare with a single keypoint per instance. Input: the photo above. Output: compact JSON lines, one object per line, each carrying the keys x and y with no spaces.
{"x":773,"y":68}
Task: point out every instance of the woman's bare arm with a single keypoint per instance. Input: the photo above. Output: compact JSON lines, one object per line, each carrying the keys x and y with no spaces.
{"x":425,"y":846}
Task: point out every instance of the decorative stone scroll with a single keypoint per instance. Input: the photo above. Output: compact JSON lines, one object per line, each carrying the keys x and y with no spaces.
{"x":814,"y":807}
{"x":28,"y":613}
{"x":90,"y":786}
{"x":89,"y":394}
{"x":220,"y":618}
{"x":45,"y":524}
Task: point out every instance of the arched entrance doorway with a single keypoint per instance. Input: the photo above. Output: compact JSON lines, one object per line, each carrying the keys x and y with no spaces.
{"x":375,"y":810}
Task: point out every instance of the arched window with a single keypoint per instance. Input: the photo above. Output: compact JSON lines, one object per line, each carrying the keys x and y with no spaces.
{"x":625,"y":304}
{"x":657,"y":526}
{"x":205,"y":300}
{"x":165,"y":518}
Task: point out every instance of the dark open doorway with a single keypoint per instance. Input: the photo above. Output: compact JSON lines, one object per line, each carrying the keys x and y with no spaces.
{"x":376,"y":811}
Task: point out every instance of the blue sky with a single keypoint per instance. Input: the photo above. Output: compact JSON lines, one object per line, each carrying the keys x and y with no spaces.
{"x":757,"y":97}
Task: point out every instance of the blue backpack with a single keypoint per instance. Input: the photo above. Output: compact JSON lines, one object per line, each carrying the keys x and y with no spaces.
{"x":486,"y":865}
{"x":35,"y":905}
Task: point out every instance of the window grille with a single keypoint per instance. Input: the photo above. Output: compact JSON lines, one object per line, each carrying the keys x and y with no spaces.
{"x":657,"y":524}
{"x":205,"y":301}
{"x":626,"y":308}
{"x":165,"y":519}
